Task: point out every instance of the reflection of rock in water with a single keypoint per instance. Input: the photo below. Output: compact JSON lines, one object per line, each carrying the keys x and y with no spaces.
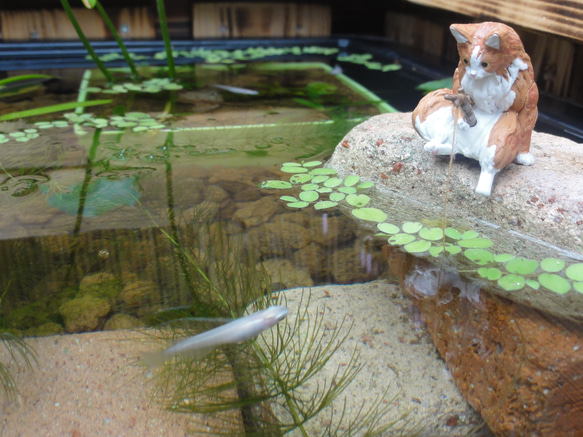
{"x":426,"y":282}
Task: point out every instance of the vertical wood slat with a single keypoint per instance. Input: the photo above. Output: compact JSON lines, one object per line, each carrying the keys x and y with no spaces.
{"x":244,"y":20}
{"x":49,"y":24}
{"x":139,"y":23}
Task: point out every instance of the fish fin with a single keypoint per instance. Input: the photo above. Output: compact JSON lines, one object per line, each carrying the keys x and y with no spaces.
{"x":155,"y":358}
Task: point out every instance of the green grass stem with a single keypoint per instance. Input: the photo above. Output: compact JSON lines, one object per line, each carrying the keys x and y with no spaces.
{"x":166,"y":38}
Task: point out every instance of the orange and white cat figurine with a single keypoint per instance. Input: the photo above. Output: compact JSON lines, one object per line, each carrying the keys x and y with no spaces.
{"x":494,"y":87}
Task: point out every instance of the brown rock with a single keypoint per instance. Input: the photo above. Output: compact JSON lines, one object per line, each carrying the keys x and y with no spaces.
{"x":520,"y":369}
{"x":258,"y":212}
{"x":331,"y":230}
{"x":278,"y":238}
{"x":84,"y":313}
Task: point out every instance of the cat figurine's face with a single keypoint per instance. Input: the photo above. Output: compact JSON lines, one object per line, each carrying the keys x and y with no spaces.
{"x":486,"y":49}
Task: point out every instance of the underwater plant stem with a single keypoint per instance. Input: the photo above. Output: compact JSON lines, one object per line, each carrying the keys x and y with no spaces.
{"x":85,"y":41}
{"x":166,"y":38}
{"x":119,"y":41}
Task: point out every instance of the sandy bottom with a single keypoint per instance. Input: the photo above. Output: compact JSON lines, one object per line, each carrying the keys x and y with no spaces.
{"x":92,"y":384}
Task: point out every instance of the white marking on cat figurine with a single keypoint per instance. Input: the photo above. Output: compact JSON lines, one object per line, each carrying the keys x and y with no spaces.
{"x":496,"y":73}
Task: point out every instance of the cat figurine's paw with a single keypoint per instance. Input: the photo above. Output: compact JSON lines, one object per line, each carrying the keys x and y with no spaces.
{"x":436,"y":148}
{"x":525,"y":158}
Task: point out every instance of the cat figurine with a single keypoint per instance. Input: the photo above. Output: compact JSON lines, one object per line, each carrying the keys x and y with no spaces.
{"x":494,"y":87}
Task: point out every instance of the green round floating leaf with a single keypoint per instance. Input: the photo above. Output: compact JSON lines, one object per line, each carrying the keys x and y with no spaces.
{"x":291,"y":164}
{"x":347,"y":190}
{"x":452,"y":249}
{"x":337,"y":197}
{"x":399,"y":239}
{"x":555,"y":283}
{"x":503,"y":257}
{"x":357,"y":200}
{"x":325,"y":204}
{"x":552,"y":265}
{"x":492,"y":274}
{"x":522,"y":266}
{"x":309,"y":187}
{"x":476,"y":243}
{"x":575,"y":272}
{"x":431,"y":234}
{"x":332,"y":182}
{"x":578,"y":286}
{"x":418,"y":246}
{"x":435,"y":250}
{"x":276,"y":185}
{"x":479,"y":256}
{"x":511,"y":282}
{"x":533,"y":284}
{"x":312,"y":163}
{"x":300,"y":178}
{"x":453,"y":233}
{"x":469,"y":235}
{"x":411,"y":227}
{"x":322,"y":171}
{"x":388,"y":228}
{"x":351,"y":180}
{"x":288,"y":198}
{"x":288,"y":169}
{"x":364,"y":185}
{"x":309,"y":196}
{"x":319,"y":179}
{"x":370,"y":214}
{"x":323,"y":190}
{"x":298,"y":204}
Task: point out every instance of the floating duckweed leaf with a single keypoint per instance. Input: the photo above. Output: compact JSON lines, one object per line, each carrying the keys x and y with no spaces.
{"x":300,"y":178}
{"x":357,"y":201}
{"x":492,"y":274}
{"x":388,"y":228}
{"x":479,"y":256}
{"x":431,"y":234}
{"x":511,"y":282}
{"x":172,"y":86}
{"x":288,"y":169}
{"x":578,"y":286}
{"x":319,"y":179}
{"x":411,"y":227}
{"x":453,"y":249}
{"x":371,"y":214}
{"x":364,"y":185}
{"x":312,"y":163}
{"x":555,"y":283}
{"x":291,"y":164}
{"x":476,"y":243}
{"x":289,"y":198}
{"x":298,"y":204}
{"x":575,"y":272}
{"x":453,"y":233}
{"x":277,"y":185}
{"x":322,"y":171}
{"x":309,"y":196}
{"x":337,"y":197}
{"x":418,"y":246}
{"x":351,"y":180}
{"x":332,"y":182}
{"x":309,"y":187}
{"x":324,"y":204}
{"x":469,"y":235}
{"x":401,"y":239}
{"x":323,"y":190}
{"x":520,"y":265}
{"x":552,"y":265}
{"x":140,"y":129}
{"x":347,"y":190}
{"x":503,"y":257}
{"x":435,"y":250}
{"x":533,"y":284}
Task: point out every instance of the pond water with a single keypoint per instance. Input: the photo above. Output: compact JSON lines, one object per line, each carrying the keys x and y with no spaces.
{"x":147,"y":209}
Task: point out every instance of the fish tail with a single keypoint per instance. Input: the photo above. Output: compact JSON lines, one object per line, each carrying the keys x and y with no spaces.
{"x":154,"y":359}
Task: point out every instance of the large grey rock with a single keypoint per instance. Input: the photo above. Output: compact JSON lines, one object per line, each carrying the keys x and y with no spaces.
{"x":535,"y":212}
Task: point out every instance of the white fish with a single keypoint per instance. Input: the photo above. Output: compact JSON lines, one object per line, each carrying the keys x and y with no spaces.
{"x":236,"y":331}
{"x":236,"y":90}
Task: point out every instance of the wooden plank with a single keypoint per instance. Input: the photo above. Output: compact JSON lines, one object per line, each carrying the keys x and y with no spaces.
{"x":559,"y":18}
{"x":136,"y":22}
{"x":412,"y":31}
{"x":260,"y":20}
{"x":50,"y":24}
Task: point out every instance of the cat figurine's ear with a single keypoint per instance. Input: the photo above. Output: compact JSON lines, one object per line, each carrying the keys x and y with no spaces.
{"x":493,"y":41}
{"x":457,"y":35}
